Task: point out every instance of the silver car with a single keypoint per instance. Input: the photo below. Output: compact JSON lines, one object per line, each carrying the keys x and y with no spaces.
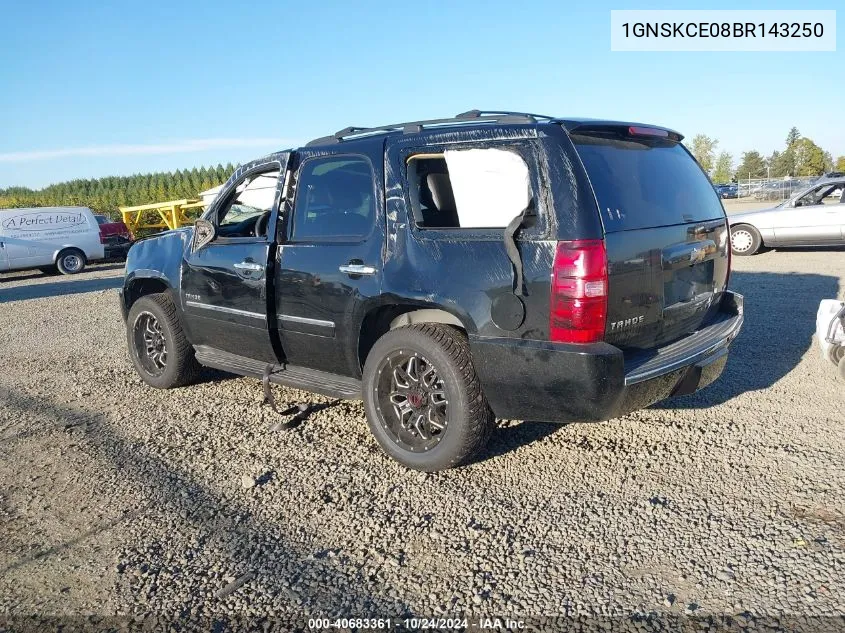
{"x":814,"y":216}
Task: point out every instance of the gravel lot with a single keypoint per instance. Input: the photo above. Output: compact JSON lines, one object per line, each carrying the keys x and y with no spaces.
{"x":118,"y":499}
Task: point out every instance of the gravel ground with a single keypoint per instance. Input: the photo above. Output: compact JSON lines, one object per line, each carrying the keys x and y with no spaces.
{"x":119,"y":499}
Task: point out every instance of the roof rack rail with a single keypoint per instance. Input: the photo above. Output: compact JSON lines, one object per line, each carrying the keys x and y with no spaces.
{"x":412,"y":127}
{"x":474,"y":114}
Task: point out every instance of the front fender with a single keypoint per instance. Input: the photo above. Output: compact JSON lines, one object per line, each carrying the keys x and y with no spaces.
{"x":154,"y":265}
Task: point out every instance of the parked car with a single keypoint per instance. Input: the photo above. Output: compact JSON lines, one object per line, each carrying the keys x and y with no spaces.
{"x":778,"y":190}
{"x":729,"y":192}
{"x":449,"y":272}
{"x":815,"y":216}
{"x":49,"y":238}
{"x":115,"y":237}
{"x":748,"y":189}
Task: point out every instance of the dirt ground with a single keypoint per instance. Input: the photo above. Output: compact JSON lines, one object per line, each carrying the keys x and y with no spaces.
{"x":117,"y":499}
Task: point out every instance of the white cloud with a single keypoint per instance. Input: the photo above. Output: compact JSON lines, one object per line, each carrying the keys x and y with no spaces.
{"x":175,"y":147}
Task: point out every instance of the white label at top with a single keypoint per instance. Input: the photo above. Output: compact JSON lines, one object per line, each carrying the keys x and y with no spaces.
{"x":723,"y":30}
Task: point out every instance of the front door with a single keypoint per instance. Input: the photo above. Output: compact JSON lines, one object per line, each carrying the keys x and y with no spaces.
{"x":4,"y":256}
{"x":225,"y":282}
{"x":816,"y":218}
{"x":330,"y":263}
{"x":22,"y":253}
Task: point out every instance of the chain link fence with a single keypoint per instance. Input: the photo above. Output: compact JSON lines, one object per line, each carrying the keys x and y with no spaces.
{"x":764,"y":188}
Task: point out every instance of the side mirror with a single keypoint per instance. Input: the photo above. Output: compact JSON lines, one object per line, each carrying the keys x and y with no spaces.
{"x":204,"y":232}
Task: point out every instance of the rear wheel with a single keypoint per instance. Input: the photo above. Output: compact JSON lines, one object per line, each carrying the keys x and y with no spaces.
{"x":70,"y":261}
{"x":745,"y":240}
{"x":162,"y":355}
{"x":423,"y":398}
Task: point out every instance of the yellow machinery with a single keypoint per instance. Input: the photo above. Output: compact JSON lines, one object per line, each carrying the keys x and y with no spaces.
{"x":161,"y":215}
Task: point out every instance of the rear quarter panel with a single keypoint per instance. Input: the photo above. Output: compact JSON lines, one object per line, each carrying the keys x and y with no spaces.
{"x":463,"y":271}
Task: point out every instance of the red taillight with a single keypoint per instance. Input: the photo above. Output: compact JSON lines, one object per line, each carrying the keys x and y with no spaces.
{"x":578,"y":304}
{"x":102,"y":237}
{"x":639,"y":130}
{"x":730,"y":256}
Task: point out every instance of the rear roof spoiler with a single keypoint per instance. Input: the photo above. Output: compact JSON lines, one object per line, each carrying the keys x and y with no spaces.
{"x":585,"y":126}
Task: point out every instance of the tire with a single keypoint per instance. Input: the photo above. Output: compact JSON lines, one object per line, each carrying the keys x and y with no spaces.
{"x":154,"y":323}
{"x":465,"y":418}
{"x":745,"y":240}
{"x":70,"y":261}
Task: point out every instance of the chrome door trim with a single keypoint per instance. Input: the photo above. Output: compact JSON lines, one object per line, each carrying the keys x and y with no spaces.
{"x":244,"y":313}
{"x":305,"y":320}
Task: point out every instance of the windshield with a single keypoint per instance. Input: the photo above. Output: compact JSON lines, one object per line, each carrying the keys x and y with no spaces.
{"x":821,"y":194}
{"x":643,"y":183}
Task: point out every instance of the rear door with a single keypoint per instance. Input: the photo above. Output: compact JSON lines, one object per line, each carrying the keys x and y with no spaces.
{"x":665,"y":233}
{"x":330,"y":263}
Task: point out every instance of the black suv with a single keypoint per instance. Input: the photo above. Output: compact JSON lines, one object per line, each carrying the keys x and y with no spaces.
{"x":449,"y":272}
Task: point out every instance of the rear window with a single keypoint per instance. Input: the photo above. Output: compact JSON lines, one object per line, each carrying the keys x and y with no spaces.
{"x":641,"y":184}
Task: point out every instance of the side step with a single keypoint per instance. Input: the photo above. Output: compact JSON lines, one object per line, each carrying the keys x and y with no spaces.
{"x":322,"y":382}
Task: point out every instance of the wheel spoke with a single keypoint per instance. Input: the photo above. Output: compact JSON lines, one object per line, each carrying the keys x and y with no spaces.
{"x":401,"y":379}
{"x":438,"y":397}
{"x":398,"y":398}
{"x":435,"y":419}
{"x":419,"y":425}
{"x":429,"y":376}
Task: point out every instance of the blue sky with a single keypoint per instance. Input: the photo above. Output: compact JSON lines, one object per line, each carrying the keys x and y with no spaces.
{"x":92,"y":89}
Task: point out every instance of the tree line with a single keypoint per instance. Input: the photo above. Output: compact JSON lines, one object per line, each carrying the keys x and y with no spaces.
{"x":105,"y":195}
{"x":799,"y":157}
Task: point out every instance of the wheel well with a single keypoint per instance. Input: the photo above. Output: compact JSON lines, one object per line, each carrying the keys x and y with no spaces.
{"x":381,"y":320}
{"x":69,"y":248}
{"x":140,"y":287}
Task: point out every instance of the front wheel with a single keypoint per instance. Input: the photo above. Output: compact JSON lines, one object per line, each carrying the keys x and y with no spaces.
{"x":423,"y":399}
{"x":162,"y":355}
{"x":745,"y":240}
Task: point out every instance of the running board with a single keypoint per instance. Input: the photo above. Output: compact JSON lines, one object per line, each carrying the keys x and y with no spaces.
{"x":322,"y":382}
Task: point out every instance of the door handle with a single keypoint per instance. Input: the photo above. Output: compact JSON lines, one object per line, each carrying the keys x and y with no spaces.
{"x":357,"y":269}
{"x":250,"y":266}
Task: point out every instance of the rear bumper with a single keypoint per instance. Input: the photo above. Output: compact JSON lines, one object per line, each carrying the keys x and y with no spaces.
{"x":116,"y":248}
{"x":539,"y":380}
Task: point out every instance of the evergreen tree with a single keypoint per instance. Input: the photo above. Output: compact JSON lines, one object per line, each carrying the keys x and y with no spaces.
{"x":752,"y":166}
